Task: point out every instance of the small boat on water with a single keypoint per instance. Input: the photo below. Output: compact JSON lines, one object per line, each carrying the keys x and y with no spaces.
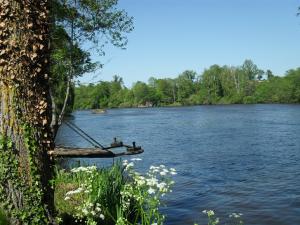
{"x":98,"y":111}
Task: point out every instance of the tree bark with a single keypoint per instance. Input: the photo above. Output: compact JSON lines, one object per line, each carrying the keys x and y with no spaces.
{"x":25,"y":113}
{"x":62,"y":113}
{"x":54,"y":120}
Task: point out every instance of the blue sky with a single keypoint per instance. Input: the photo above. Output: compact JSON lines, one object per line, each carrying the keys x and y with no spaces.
{"x":171,"y":36}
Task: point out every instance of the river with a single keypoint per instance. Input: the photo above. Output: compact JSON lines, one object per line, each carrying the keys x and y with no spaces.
{"x":229,"y":158}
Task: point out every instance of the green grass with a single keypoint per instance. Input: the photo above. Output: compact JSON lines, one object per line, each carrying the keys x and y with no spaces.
{"x":114,"y":195}
{"x":103,"y":187}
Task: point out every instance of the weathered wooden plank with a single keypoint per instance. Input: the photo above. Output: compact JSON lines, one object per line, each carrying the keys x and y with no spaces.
{"x":89,"y":153}
{"x":81,"y":153}
{"x":129,"y":153}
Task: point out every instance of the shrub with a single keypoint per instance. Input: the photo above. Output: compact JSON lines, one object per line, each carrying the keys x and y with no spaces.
{"x":3,"y":219}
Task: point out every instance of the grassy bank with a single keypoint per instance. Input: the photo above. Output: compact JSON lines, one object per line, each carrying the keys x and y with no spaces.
{"x":116,"y":195}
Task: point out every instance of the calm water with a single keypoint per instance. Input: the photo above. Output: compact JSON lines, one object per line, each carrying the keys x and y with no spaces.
{"x":237,"y":158}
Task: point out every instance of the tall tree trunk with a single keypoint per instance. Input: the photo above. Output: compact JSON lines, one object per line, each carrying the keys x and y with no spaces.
{"x":25,"y":136}
{"x":67,"y":96}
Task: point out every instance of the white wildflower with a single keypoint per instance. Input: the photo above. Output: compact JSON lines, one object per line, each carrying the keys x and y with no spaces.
{"x":92,"y":168}
{"x":161,"y":185}
{"x":88,"y":169}
{"x":210,"y":213}
{"x":79,"y":169}
{"x":101,"y":216}
{"x":142,"y":177}
{"x":85,"y":211}
{"x":67,"y":198}
{"x":128,"y":165}
{"x":152,"y":181}
{"x":153,"y":167}
{"x":162,"y":173}
{"x":59,"y":220}
{"x":78,"y":190}
{"x":151,"y":191}
{"x":141,"y":182}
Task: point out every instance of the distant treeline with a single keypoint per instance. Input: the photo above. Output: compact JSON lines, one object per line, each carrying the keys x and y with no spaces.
{"x":244,"y":84}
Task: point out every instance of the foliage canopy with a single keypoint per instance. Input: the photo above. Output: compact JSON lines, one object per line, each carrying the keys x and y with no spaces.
{"x":216,"y":85}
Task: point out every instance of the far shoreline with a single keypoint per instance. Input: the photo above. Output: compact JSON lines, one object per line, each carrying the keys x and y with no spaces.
{"x":182,"y":106}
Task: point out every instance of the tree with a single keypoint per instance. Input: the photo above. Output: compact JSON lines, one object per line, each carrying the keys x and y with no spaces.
{"x":185,"y":85}
{"x":230,"y":81}
{"x":88,"y":20}
{"x":66,"y":58}
{"x":141,"y":92}
{"x":293,"y":76}
{"x":116,"y":84}
{"x":251,"y":70}
{"x":116,"y":95}
{"x":25,"y":136}
{"x":211,"y":82}
{"x":165,"y":90}
{"x":82,"y":26}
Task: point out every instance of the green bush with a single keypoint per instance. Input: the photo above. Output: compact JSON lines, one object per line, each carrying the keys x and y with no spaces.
{"x":3,"y":219}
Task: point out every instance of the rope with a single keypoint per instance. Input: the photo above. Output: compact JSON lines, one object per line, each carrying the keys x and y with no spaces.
{"x":84,"y":135}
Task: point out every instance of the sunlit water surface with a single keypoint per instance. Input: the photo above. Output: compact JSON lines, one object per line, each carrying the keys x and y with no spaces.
{"x":235,"y":158}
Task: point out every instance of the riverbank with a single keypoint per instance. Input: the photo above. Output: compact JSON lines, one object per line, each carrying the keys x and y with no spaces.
{"x":178,"y":105}
{"x":217,"y":85}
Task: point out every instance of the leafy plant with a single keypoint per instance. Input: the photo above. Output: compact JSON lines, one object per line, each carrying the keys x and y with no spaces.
{"x":3,"y":219}
{"x":116,"y":195}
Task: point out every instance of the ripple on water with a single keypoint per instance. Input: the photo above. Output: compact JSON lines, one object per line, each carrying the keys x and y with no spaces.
{"x":235,"y":158}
